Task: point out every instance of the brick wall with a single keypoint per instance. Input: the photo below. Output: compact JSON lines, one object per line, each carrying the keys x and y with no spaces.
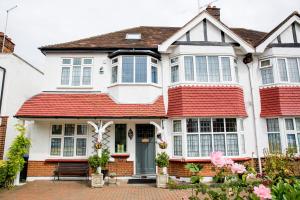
{"x":121,"y":167}
{"x":3,"y":127}
{"x":40,"y":168}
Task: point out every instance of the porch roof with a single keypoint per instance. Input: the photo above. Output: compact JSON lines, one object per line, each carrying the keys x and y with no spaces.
{"x":87,"y":105}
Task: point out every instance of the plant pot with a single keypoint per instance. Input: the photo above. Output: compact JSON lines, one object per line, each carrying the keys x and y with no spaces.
{"x":97,"y":180}
{"x":162,"y":180}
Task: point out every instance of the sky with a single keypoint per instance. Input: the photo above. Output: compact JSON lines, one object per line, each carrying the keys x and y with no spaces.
{"x":35,"y":23}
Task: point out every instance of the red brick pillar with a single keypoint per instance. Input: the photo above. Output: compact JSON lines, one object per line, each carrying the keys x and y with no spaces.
{"x":3,"y":127}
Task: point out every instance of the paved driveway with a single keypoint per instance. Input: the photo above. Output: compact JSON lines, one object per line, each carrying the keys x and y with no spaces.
{"x":73,"y":190}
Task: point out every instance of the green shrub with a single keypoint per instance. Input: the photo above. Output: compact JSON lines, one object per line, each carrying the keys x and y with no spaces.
{"x":94,"y":162}
{"x":104,"y":158}
{"x":283,"y":190}
{"x":3,"y":173}
{"x":162,"y":160}
{"x":15,"y":155}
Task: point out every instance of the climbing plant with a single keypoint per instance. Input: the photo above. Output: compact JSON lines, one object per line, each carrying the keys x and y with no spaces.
{"x":17,"y":150}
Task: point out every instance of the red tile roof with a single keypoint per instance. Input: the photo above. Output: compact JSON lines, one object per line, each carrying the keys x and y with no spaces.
{"x":86,"y":105}
{"x":206,"y":101}
{"x":280,"y":101}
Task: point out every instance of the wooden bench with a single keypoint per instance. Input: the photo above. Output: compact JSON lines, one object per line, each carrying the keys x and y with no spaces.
{"x":69,"y":169}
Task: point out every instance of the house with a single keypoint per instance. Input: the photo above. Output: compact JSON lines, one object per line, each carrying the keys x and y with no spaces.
{"x":15,"y":88}
{"x":201,"y":88}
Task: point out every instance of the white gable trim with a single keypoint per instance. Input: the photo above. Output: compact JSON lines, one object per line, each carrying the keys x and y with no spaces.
{"x":194,"y":22}
{"x":261,"y":48}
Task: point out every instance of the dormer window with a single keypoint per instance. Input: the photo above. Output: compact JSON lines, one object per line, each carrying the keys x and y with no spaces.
{"x":133,"y":36}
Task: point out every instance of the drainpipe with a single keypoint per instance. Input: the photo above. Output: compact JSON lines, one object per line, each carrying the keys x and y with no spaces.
{"x":2,"y":88}
{"x":247,"y":60}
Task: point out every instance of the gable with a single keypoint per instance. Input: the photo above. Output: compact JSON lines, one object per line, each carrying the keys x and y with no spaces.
{"x":286,"y":34}
{"x":205,"y":28}
{"x":205,"y":31}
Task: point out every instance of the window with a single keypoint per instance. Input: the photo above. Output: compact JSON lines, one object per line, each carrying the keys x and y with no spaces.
{"x":205,"y":135}
{"x":114,"y":74}
{"x":207,"y":68}
{"x":134,"y":69}
{"x":273,"y":135}
{"x":174,"y":70}
{"x":266,"y":72}
{"x":154,"y":74}
{"x":177,"y":126}
{"x":201,"y":69}
{"x":120,"y":138}
{"x":293,"y":70}
{"x":189,"y":68}
{"x":68,"y":140}
{"x":213,"y":69}
{"x":127,"y":69}
{"x":76,"y":71}
{"x":236,"y":71}
{"x":292,"y":131}
{"x":133,"y":36}
{"x":177,"y":145}
{"x":282,"y":70}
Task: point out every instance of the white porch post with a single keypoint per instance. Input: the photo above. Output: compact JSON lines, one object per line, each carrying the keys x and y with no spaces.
{"x":100,"y":130}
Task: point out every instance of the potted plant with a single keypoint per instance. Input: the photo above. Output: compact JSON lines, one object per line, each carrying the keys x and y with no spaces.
{"x":162,"y":161}
{"x":104,"y":161}
{"x":97,"y":178}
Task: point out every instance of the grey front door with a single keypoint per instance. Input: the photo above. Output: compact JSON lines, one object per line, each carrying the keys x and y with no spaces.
{"x":145,"y":149}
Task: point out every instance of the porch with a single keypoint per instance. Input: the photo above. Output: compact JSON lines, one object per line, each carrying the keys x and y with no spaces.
{"x":132,"y":144}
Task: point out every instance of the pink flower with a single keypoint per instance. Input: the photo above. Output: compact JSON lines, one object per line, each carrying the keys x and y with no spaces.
{"x":217,"y":159}
{"x":238,"y":168}
{"x":262,"y":192}
{"x":228,"y":161}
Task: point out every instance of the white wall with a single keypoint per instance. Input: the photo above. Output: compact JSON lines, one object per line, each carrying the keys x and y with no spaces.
{"x":22,"y":81}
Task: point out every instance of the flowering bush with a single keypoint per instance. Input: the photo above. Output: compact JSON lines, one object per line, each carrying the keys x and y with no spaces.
{"x":239,"y":183}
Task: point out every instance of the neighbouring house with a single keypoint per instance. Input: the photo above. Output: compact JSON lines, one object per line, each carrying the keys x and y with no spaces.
{"x":202,"y":87}
{"x":19,"y":80}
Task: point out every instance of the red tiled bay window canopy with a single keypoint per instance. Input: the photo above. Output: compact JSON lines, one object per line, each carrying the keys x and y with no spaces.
{"x":280,"y":101}
{"x":57,"y":105}
{"x":206,"y":101}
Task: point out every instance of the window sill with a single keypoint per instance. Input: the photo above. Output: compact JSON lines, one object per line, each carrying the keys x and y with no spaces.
{"x":281,"y":84}
{"x":120,"y":155}
{"x":74,"y":87}
{"x":205,"y":84}
{"x":134,"y":84}
{"x":65,"y":160}
{"x":205,"y":160}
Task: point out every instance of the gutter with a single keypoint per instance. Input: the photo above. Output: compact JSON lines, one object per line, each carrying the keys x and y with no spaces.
{"x":247,"y":60}
{"x":2,"y":88}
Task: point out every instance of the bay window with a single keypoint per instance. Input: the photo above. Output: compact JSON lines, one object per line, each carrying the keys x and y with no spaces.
{"x":205,"y":135}
{"x":68,"y":140}
{"x":292,"y":131}
{"x":76,"y":72}
{"x":207,"y":68}
{"x":134,"y":69}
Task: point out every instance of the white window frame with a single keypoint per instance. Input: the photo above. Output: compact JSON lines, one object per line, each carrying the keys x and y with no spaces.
{"x":292,"y":132}
{"x":153,"y":64}
{"x":70,"y":66}
{"x":279,"y":131}
{"x":225,"y":133}
{"x":176,"y":63}
{"x":115,"y":64}
{"x":287,"y":69}
{"x":177,"y":134}
{"x":232,"y":72}
{"x":266,"y":67}
{"x":62,"y":136}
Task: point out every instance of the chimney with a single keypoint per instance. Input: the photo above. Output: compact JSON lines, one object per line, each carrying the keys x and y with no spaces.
{"x":9,"y":46}
{"x":214,"y":11}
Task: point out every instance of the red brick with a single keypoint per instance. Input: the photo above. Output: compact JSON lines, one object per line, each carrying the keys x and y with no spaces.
{"x":3,"y":128}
